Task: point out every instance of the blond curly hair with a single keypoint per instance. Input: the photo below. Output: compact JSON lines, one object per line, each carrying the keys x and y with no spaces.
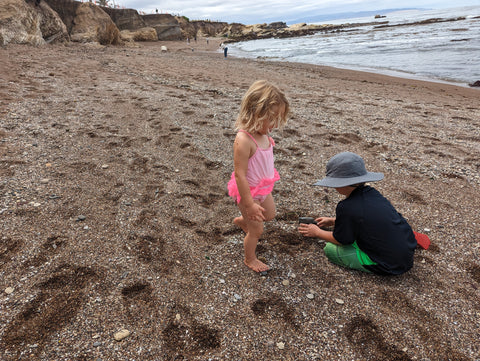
{"x":262,"y":102}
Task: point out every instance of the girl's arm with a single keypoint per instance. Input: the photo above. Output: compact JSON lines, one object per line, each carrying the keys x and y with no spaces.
{"x":242,"y":149}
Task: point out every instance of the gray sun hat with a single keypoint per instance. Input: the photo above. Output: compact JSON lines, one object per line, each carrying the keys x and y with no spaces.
{"x":345,"y":169}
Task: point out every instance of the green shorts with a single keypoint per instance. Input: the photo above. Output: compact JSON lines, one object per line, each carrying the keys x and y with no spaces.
{"x":349,"y":256}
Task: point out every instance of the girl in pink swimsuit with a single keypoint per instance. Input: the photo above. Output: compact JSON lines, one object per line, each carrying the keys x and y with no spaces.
{"x":264,"y":107}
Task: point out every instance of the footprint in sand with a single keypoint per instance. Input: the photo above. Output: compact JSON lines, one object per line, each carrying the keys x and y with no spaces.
{"x":60,"y":298}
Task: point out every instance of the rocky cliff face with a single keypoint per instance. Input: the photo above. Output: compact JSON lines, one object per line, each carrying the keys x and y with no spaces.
{"x":191,"y":29}
{"x":92,"y":24}
{"x":30,"y":23}
{"x":166,"y":25}
{"x":25,"y":21}
{"x":36,"y":23}
{"x":126,"y":19}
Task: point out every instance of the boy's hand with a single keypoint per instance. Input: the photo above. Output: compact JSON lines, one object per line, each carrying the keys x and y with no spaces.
{"x":325,"y":221}
{"x":308,"y":230}
{"x":255,"y":212}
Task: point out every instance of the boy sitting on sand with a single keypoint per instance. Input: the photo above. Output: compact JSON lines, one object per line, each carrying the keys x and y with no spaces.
{"x":369,"y":234}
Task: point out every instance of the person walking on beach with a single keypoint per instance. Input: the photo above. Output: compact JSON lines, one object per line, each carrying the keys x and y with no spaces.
{"x":263,"y":108}
{"x":368,"y":233}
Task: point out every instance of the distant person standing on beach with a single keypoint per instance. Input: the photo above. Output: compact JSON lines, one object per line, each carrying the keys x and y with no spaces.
{"x":263,"y":108}
{"x":225,"y":49}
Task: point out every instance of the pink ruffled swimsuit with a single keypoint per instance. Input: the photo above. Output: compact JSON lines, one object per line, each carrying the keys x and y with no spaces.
{"x":261,"y":173}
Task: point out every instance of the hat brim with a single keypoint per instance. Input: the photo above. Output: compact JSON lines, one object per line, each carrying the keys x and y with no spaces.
{"x":343,"y":182}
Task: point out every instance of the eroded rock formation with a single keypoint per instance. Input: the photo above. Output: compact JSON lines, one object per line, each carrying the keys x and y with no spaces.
{"x":92,"y":24}
{"x":24,"y":22}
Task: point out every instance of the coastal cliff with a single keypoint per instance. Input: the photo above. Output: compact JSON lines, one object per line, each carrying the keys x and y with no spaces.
{"x":69,"y":20}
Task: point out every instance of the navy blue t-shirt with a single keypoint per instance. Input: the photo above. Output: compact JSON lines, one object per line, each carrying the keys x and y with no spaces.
{"x":380,"y":231}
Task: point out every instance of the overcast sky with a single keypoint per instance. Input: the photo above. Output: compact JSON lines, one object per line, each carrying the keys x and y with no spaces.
{"x":265,"y":11}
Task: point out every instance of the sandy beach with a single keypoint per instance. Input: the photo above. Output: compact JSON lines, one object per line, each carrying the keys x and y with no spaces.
{"x":114,"y":214}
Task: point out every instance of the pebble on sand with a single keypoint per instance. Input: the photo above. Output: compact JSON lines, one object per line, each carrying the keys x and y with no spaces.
{"x":9,"y":290}
{"x":120,"y":335}
{"x":280,"y":345}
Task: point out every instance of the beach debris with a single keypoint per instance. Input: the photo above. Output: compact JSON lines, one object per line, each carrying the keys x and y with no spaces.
{"x":475,"y":84}
{"x":285,"y":282}
{"x":163,"y":49}
{"x":280,"y":345}
{"x":339,"y":301}
{"x":120,"y":335}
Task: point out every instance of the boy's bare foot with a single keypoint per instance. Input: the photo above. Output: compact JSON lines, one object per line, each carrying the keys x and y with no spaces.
{"x":240,"y":222}
{"x":257,"y":265}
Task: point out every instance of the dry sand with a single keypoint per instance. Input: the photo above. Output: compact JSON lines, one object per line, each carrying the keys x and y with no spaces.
{"x":114,"y":164}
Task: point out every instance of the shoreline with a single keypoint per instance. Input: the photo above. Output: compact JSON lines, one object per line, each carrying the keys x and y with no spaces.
{"x":215,"y":43}
{"x":114,"y":166}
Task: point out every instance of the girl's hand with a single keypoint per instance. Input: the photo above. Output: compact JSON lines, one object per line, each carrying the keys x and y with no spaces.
{"x":308,"y":230}
{"x":325,"y":221}
{"x":255,"y":212}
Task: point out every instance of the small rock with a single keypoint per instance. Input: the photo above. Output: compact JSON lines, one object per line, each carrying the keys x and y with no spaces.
{"x":120,"y":335}
{"x":81,"y":218}
{"x":105,"y":166}
{"x":285,"y":282}
{"x":9,"y":290}
{"x":310,"y":296}
{"x":280,"y":345}
{"x":177,"y":317}
{"x":44,"y":180}
{"x":237,"y":296}
{"x":339,"y":301}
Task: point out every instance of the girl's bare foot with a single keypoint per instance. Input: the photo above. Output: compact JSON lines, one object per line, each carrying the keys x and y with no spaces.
{"x":257,"y":265}
{"x":240,"y":222}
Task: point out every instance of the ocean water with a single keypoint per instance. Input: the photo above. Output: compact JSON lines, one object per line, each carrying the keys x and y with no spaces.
{"x":442,"y":51}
